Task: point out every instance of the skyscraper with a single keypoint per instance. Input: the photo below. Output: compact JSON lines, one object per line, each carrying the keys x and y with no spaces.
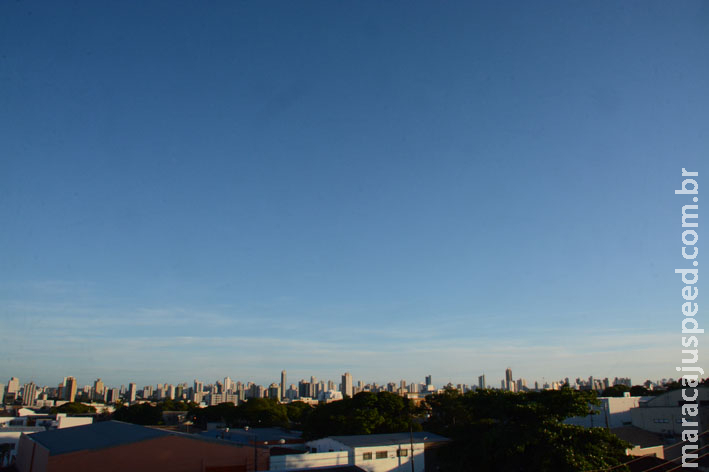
{"x":429,"y":380}
{"x":481,"y":382}
{"x":508,"y":379}
{"x":98,"y":390}
{"x":313,"y":387}
{"x":132,"y":389}
{"x":70,"y":386}
{"x":283,"y":385}
{"x":347,"y":384}
{"x":29,"y":394}
{"x":13,"y":386}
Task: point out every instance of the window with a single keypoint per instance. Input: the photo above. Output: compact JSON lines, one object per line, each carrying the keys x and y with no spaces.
{"x":382,"y":454}
{"x":367,"y":456}
{"x":402,"y":453}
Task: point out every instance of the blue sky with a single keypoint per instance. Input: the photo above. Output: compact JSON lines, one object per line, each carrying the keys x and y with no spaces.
{"x":394,"y":189}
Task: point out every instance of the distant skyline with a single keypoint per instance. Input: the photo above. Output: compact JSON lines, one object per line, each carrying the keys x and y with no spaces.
{"x":390,"y":189}
{"x":495,"y":384}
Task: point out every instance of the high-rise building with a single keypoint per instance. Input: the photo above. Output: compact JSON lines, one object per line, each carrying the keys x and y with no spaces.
{"x":508,"y":379}
{"x":70,"y":387}
{"x":282,"y":387}
{"x":313,"y":387}
{"x":132,"y":390}
{"x":429,"y":380}
{"x":98,"y":390}
{"x":13,"y":386}
{"x":481,"y":382}
{"x":303,"y":389}
{"x":112,"y":395}
{"x":29,"y":394}
{"x":347,"y":384}
{"x":198,"y":386}
{"x":273,"y":391}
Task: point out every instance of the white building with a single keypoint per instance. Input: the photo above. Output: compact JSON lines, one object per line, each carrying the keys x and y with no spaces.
{"x":329,"y":396}
{"x":663,"y":414}
{"x":377,"y":452}
{"x":613,"y":412}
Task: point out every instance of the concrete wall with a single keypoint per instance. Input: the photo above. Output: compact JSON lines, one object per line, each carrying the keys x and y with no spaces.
{"x":31,"y":456}
{"x":301,"y":461}
{"x":393,"y":461}
{"x":64,"y":421}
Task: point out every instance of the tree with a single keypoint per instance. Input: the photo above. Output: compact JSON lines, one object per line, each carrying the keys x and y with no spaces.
{"x":365,"y":413}
{"x":298,"y":413}
{"x":501,"y":431}
{"x":140,"y":413}
{"x":616,"y":391}
{"x":74,"y":408}
{"x":639,"y":391}
{"x":255,"y":412}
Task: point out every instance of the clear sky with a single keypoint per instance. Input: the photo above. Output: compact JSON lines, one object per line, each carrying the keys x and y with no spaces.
{"x":195,"y":190}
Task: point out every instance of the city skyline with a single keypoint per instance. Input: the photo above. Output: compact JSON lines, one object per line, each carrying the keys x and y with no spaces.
{"x":392,"y":189}
{"x":425,"y":381}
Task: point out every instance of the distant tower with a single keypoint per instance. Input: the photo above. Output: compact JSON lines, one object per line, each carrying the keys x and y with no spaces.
{"x":283,"y":385}
{"x":347,"y":384}
{"x":429,"y":380}
{"x":131,"y":392}
{"x":508,"y":379}
{"x":13,"y":386}
{"x":313,"y":387}
{"x":29,"y":394}
{"x":481,"y":382}
{"x":70,"y":389}
{"x":98,"y":390}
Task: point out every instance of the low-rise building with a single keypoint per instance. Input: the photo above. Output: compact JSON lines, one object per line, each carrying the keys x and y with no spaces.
{"x":117,"y":446}
{"x":382,"y":452}
{"x":663,"y":414}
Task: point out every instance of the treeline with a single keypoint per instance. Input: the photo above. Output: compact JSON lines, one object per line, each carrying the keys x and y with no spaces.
{"x":365,"y":413}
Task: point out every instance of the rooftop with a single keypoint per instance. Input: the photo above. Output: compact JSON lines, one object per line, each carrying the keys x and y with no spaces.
{"x":259,"y":434}
{"x":368,"y":440}
{"x":95,"y":436}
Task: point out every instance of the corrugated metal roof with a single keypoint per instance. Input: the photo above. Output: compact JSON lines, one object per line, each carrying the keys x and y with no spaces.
{"x":367,"y":440}
{"x":94,"y":436}
{"x":258,"y":434}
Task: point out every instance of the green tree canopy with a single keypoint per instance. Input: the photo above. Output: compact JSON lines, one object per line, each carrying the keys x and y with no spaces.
{"x":365,"y":413}
{"x":140,"y":413}
{"x":255,"y":412}
{"x":501,"y":431}
{"x":74,"y":408}
{"x":615,"y":391}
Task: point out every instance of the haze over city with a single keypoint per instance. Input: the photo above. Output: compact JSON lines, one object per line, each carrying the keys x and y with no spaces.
{"x":389,"y":189}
